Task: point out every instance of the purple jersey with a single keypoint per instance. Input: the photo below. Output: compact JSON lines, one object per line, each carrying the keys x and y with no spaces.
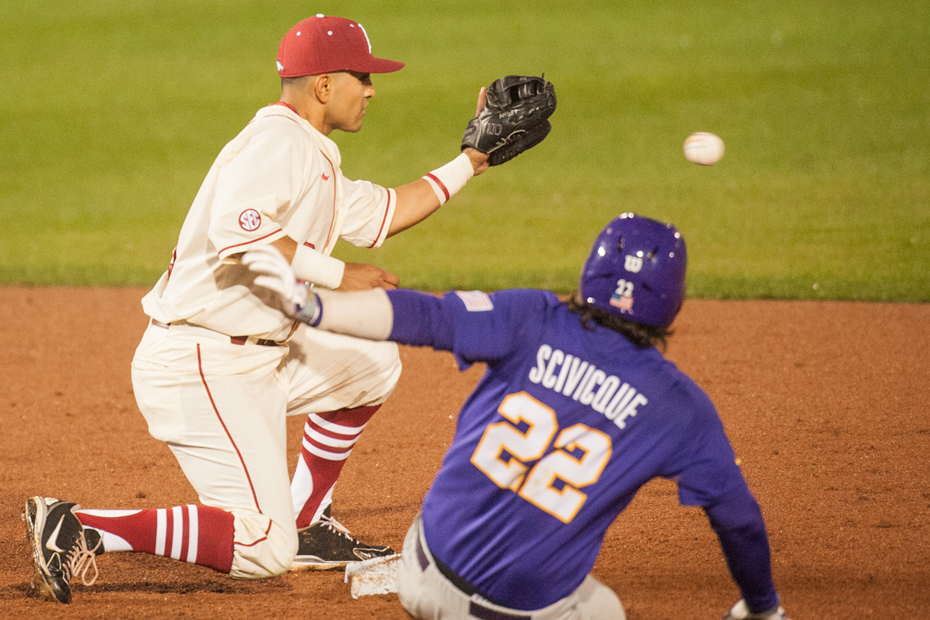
{"x":564,"y":428}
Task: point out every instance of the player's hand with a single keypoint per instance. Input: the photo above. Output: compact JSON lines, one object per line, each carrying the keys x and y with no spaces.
{"x":363,"y":277}
{"x":741,"y":611}
{"x":479,"y":160}
{"x":274,"y":273}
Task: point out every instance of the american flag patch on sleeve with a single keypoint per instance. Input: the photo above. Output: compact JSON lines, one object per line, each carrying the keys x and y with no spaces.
{"x":475,"y":301}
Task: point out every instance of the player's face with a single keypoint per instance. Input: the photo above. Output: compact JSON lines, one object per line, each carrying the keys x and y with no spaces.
{"x":350,"y":95}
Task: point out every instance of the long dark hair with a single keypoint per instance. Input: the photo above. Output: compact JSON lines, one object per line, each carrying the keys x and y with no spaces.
{"x":643,"y":336}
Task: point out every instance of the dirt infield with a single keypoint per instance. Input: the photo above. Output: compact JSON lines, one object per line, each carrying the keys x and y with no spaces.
{"x":827,"y":404}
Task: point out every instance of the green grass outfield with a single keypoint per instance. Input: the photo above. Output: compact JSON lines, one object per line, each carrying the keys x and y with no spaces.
{"x":111,"y":112}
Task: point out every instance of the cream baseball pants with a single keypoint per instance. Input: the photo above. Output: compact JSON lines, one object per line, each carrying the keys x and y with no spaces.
{"x":221,"y":407}
{"x":427,"y":594}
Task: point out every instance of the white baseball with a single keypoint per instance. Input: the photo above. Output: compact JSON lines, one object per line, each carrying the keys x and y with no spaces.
{"x":703,"y":148}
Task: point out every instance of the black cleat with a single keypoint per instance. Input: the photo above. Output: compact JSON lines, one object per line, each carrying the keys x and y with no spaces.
{"x":328,"y":545}
{"x":59,"y":547}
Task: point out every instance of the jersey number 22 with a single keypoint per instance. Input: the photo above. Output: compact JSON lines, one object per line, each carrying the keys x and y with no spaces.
{"x":554,"y":483}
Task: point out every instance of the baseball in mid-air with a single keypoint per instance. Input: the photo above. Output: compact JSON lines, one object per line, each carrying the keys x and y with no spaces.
{"x":703,"y":148}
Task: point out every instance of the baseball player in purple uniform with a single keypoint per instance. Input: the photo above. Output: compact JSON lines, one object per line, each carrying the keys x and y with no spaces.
{"x":577,"y":411}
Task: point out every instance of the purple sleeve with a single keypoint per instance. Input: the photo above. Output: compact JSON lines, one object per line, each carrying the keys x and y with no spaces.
{"x":704,"y":466}
{"x":420,"y":320}
{"x":739,"y":526}
{"x":474,"y":326}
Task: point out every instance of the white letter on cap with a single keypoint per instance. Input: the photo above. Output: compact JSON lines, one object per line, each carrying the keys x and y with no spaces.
{"x":633,"y":263}
{"x":365,"y":32}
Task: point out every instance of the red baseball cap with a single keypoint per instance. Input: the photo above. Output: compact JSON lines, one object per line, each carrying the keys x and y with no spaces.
{"x":324,"y":44}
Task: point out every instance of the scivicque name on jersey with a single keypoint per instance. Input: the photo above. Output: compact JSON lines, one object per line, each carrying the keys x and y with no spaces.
{"x":586,"y":383}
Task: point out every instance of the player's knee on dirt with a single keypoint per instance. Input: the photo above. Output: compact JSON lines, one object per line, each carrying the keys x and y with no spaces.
{"x":260,"y":550}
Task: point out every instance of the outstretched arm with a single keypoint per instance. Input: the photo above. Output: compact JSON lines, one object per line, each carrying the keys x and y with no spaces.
{"x":403,"y":316}
{"x":418,"y":200}
{"x":512,"y":116}
{"x":361,"y":313}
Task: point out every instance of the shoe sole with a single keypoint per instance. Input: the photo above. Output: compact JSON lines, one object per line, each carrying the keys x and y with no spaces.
{"x":40,"y":581}
{"x":312,"y":562}
{"x":299,"y":565}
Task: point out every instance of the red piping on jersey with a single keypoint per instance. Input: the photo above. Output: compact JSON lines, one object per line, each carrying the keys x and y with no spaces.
{"x":203,"y":379}
{"x":442,"y":186}
{"x":281,"y":103}
{"x":288,"y":106}
{"x":174,"y":257}
{"x":387,"y":209}
{"x":249,"y":242}
{"x":332,"y":224}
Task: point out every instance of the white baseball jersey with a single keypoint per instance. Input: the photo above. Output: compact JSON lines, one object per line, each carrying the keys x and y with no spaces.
{"x":221,"y":405}
{"x":279,"y":176}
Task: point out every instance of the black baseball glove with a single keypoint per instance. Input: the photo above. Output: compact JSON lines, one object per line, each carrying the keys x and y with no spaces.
{"x":514,"y":118}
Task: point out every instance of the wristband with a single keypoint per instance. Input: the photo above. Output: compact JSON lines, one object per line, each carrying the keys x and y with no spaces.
{"x":448,"y":180}
{"x":316,"y":267}
{"x":311,"y":312}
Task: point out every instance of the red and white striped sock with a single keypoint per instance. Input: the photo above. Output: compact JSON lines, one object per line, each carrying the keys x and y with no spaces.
{"x":328,"y":440}
{"x":196,"y":534}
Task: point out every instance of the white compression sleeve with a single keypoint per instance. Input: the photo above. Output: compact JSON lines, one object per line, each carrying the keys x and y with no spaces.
{"x":448,"y":180}
{"x":364,"y":314}
{"x":313,"y":266}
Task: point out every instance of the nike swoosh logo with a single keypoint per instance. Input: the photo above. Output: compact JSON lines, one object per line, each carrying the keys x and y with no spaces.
{"x":367,"y":554}
{"x":52,"y":542}
{"x":325,"y":178}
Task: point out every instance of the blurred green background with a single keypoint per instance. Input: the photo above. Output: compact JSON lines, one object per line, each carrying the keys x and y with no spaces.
{"x":111,"y":113}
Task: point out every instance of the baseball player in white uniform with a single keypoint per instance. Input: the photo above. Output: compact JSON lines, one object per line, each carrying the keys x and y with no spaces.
{"x":218,"y":369}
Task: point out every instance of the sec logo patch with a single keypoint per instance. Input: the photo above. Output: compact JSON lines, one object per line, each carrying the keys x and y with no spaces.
{"x":250,"y":220}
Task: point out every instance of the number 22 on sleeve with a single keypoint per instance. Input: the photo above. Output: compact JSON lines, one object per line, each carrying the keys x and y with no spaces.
{"x":579,"y":456}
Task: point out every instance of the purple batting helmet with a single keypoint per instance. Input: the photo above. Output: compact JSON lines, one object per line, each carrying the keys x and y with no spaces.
{"x":636,"y":270}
